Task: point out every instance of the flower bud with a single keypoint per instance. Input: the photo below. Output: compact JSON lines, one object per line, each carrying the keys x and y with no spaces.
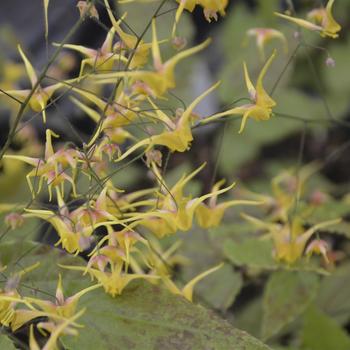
{"x":330,"y":62}
{"x":14,"y":220}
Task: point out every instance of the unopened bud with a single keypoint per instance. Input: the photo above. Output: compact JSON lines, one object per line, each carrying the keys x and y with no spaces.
{"x":330,"y":62}
{"x":14,"y":220}
{"x":87,"y":9}
{"x":179,"y":42}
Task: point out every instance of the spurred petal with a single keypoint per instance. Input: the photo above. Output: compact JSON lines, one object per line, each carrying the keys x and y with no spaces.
{"x":29,"y":68}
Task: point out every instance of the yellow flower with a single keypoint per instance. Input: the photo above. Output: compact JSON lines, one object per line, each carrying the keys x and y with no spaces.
{"x":62,"y":307}
{"x":211,"y":214}
{"x":290,"y":239}
{"x":265,"y":35}
{"x":101,"y":59}
{"x":162,"y":78}
{"x":210,"y":9}
{"x":52,"y":167}
{"x":174,"y":211}
{"x":262,"y":103}
{"x":187,"y":290}
{"x":323,"y":21}
{"x":56,"y":329}
{"x":114,"y":280}
{"x":137,"y":47}
{"x":177,"y":135}
{"x":38,"y":100}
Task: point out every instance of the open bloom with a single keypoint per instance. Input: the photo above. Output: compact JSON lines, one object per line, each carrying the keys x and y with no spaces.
{"x":211,"y":214}
{"x":177,"y":134}
{"x":40,"y":97}
{"x":52,"y":168}
{"x":174,"y":211}
{"x":264,"y":36}
{"x":322,"y":21}
{"x":290,"y":239}
{"x":137,"y":47}
{"x":162,"y":78}
{"x":211,"y":8}
{"x":75,"y":228}
{"x":187,"y":290}
{"x":261,"y":104}
{"x":100,"y":60}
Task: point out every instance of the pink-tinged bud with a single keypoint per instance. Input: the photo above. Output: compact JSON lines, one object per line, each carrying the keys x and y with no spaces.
{"x":111,"y":150}
{"x":14,"y":220}
{"x":87,"y":9}
{"x":179,"y":43}
{"x":330,"y":62}
{"x":154,"y":156}
{"x":318,"y":246}
{"x":318,"y":198}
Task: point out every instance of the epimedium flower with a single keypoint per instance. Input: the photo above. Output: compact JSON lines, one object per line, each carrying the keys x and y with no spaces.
{"x":261,"y":104}
{"x":101,"y":59}
{"x":111,"y":274}
{"x":211,"y":214}
{"x":211,"y":8}
{"x":120,"y":112}
{"x":173,"y":210}
{"x":52,"y":168}
{"x":290,"y":239}
{"x":265,"y":35}
{"x":62,"y":307}
{"x":137,"y":47}
{"x":39,"y":99}
{"x":162,"y":78}
{"x":322,"y":21}
{"x":74,"y":228}
{"x":177,"y":134}
{"x":56,"y":329}
{"x":318,"y":246}
{"x":187,"y":290}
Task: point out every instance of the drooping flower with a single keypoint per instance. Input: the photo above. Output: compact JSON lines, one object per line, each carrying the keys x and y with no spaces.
{"x":52,"y":168}
{"x":177,"y":135}
{"x":41,"y":95}
{"x":211,"y":8}
{"x":264,"y":36}
{"x":322,"y":21}
{"x":174,"y":211}
{"x":101,"y":59}
{"x":290,"y":239}
{"x":162,"y":78}
{"x":211,"y":214}
{"x":187,"y":290}
{"x":261,"y":104}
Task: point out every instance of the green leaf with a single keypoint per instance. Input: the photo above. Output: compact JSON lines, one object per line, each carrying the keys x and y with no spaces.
{"x":6,"y":343}
{"x":147,"y":317}
{"x":220,"y":289}
{"x":144,"y":317}
{"x":320,"y":332}
{"x":286,"y":296}
{"x":334,"y":295}
{"x":252,"y":252}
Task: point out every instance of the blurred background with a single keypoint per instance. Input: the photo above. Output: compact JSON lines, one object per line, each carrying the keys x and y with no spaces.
{"x":311,"y":123}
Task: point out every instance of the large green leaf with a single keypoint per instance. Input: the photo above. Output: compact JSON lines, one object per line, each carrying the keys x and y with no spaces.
{"x":320,"y":332}
{"x":287,"y":294}
{"x":252,"y":252}
{"x":334,"y":295}
{"x":144,"y":317}
{"x":147,"y":317}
